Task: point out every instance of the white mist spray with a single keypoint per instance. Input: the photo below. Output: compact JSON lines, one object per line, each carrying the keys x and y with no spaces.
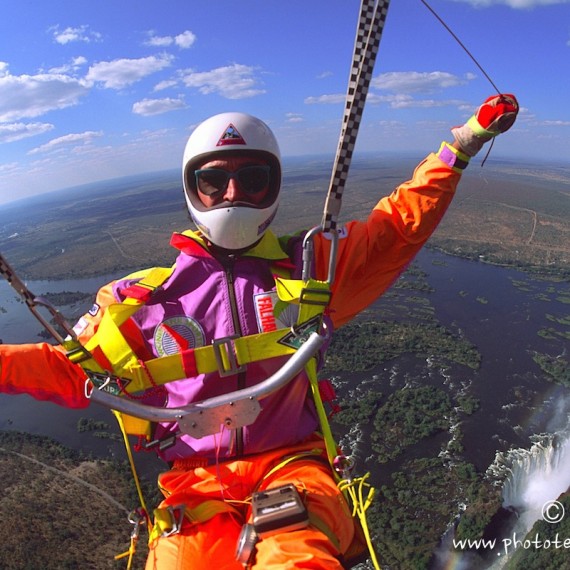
{"x":537,"y":475}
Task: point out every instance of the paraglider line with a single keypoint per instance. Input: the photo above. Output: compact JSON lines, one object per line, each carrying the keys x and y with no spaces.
{"x":461,"y":44}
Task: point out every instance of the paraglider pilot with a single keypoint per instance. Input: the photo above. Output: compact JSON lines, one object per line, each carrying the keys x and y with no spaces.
{"x":223,"y":288}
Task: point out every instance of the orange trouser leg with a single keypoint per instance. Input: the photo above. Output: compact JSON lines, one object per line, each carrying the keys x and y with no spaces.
{"x":211,"y":544}
{"x":309,"y":547}
{"x":206,"y":546}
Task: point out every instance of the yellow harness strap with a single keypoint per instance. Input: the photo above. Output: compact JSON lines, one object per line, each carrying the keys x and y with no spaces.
{"x":166,"y":522}
{"x":352,"y":489}
{"x":223,"y":356}
{"x":330,"y":443}
{"x":108,"y":336}
{"x":312,"y":296}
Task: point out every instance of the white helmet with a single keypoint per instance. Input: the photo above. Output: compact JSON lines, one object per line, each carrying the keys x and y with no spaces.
{"x":227,"y":225}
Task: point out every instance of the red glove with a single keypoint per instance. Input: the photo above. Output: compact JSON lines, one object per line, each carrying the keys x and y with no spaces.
{"x":495,"y":116}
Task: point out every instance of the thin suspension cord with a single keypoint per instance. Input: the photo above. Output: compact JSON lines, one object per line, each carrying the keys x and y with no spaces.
{"x":441,"y":21}
{"x":461,"y":44}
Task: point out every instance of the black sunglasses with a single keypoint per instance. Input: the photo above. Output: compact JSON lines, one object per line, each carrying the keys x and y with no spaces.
{"x":251,"y":179}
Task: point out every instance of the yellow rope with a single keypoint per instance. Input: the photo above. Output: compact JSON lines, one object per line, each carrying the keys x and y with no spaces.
{"x":134,"y":535}
{"x":130,"y":552}
{"x":355,"y":489}
{"x":119,"y":417}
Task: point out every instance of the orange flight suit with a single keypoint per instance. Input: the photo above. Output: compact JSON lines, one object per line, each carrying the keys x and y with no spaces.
{"x":372,"y":254}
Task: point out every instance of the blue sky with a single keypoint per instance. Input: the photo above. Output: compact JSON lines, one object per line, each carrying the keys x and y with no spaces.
{"x":93,"y":90}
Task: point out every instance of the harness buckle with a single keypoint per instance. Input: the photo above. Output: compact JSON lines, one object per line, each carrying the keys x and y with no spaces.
{"x":229,"y":356}
{"x":177,"y":518}
{"x":161,"y":444}
{"x":308,"y":291}
{"x":77,"y":353}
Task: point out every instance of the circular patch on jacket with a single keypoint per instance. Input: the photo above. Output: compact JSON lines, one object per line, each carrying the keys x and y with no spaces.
{"x":176,"y":334}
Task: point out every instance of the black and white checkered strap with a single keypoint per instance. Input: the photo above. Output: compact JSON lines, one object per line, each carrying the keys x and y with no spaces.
{"x":369,"y":31}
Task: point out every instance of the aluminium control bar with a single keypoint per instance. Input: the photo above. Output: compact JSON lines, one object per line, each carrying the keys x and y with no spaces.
{"x":233,"y":410}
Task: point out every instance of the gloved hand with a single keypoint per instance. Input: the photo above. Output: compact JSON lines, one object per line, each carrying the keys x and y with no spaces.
{"x":495,"y":116}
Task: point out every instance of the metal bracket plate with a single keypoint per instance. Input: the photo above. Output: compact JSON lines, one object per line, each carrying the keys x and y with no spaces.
{"x":201,"y":422}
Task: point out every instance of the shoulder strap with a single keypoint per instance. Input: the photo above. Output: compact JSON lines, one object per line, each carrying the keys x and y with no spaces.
{"x":108,"y":337}
{"x":225,"y":356}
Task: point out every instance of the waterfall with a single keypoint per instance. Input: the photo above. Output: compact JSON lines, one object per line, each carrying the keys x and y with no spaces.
{"x":536,"y":476}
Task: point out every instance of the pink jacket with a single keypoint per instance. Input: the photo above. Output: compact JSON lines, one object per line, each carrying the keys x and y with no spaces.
{"x":208,"y":298}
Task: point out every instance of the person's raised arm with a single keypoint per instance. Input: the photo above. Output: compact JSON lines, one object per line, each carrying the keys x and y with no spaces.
{"x":373,"y":253}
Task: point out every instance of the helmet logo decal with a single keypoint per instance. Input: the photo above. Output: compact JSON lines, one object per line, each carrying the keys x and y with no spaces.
{"x":176,"y":334}
{"x":230,"y":136}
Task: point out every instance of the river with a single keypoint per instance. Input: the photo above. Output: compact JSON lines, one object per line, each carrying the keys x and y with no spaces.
{"x":23,"y":413}
{"x":504,"y":313}
{"x":500,"y":310}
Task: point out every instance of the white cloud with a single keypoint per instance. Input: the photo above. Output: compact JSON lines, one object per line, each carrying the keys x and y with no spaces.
{"x":516,"y":4}
{"x":3,"y":69}
{"x":333,"y":99}
{"x":148,"y":107}
{"x":294,"y":118}
{"x":70,"y":67}
{"x":123,"y":72}
{"x":26,"y":96}
{"x":407,"y":102}
{"x":16,"y":131}
{"x":556,"y":123}
{"x":71,"y":139}
{"x":375,"y":99}
{"x":159,"y":41}
{"x":166,"y":84}
{"x":9,"y":167}
{"x":184,"y":40}
{"x":78,"y":34}
{"x":417,"y":82}
{"x":338,"y":98}
{"x":232,"y":82}
{"x":396,"y":101}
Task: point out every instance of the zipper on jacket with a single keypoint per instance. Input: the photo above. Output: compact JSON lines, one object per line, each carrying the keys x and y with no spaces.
{"x":228,"y":270}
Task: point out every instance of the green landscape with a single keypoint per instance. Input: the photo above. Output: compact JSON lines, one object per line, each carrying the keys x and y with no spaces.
{"x":506,"y":214}
{"x":63,"y":509}
{"x":416,"y":429}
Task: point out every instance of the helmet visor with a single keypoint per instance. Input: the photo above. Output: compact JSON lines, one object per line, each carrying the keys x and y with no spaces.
{"x":252,"y":180}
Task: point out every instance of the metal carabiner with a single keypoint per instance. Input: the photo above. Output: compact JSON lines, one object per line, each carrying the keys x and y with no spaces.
{"x":309,"y":252}
{"x":137,"y":519}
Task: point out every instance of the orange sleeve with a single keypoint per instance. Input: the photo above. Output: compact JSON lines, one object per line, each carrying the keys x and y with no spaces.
{"x":43,"y":371}
{"x":372,"y":254}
